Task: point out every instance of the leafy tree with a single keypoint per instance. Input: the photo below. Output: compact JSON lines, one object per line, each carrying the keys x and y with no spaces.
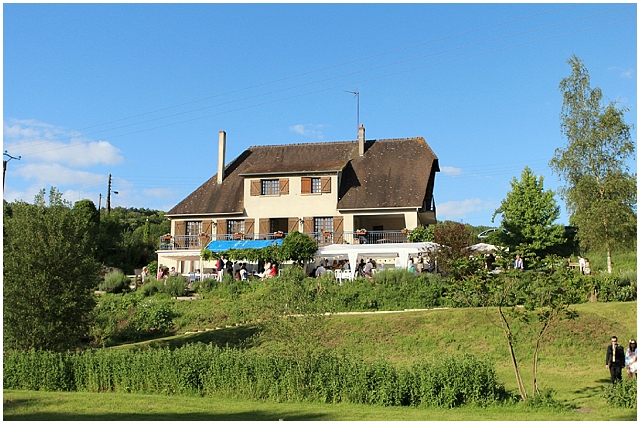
{"x":298,"y":247}
{"x":421,"y":233}
{"x":453,"y":238}
{"x":600,"y":192}
{"x":528,"y":215}
{"x":49,"y":273}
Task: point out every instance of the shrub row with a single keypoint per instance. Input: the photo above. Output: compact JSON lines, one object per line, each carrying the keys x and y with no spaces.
{"x":623,"y":394}
{"x":199,"y":369}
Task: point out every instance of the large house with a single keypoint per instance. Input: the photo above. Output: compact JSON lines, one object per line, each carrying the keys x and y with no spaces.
{"x":329,"y":190}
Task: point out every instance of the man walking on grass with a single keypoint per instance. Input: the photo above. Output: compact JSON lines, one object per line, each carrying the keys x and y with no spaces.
{"x":615,"y":360}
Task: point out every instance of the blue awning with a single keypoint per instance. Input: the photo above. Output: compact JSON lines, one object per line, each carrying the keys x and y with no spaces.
{"x":221,"y":246}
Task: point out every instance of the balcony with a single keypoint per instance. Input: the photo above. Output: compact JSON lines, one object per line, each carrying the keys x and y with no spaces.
{"x":323,"y":238}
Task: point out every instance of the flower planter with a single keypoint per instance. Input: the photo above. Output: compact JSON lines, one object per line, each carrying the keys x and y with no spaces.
{"x":326,"y":233}
{"x":237,"y":236}
{"x":361,"y":233}
{"x":278,"y":235}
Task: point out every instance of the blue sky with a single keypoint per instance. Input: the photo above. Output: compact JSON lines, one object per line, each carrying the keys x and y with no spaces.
{"x":141,"y":91}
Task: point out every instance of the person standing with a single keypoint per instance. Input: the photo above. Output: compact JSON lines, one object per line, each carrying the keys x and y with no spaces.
{"x":519,"y":263}
{"x":631,"y":359}
{"x":615,"y":360}
{"x":581,"y":263}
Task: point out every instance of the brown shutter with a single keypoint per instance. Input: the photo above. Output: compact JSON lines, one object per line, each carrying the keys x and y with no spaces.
{"x":181,"y":228}
{"x":307,"y":227}
{"x":222,"y":229}
{"x":206,"y":226}
{"x":255,"y":187}
{"x":306,"y":185}
{"x":264,"y":227}
{"x":248,"y":227}
{"x":338,"y":228}
{"x":292,"y":225}
{"x":326,"y":184}
{"x":284,"y":185}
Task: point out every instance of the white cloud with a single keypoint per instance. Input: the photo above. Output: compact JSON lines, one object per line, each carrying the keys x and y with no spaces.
{"x":450,"y":170}
{"x":625,"y":72}
{"x":56,"y":175}
{"x":458,"y":209}
{"x":43,"y":142}
{"x":308,"y":130}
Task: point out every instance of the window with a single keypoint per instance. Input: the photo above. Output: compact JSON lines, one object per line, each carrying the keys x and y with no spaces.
{"x":322,"y":224}
{"x":193,"y":228}
{"x":316,"y":185}
{"x":270,"y":187}
{"x":235,"y":226}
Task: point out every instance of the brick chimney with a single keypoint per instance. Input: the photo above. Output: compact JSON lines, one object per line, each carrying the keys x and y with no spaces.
{"x":222,"y":145}
{"x":361,"y":140}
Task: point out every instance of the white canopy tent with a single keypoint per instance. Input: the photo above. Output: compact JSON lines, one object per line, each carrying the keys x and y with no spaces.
{"x":355,"y":251}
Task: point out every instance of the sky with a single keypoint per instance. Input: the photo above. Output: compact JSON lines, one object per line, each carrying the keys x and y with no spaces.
{"x":141,"y":91}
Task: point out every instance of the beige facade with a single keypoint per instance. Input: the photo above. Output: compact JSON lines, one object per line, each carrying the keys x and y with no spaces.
{"x":269,"y":190}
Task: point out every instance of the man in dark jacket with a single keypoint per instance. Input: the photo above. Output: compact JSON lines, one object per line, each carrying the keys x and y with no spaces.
{"x":615,"y":360}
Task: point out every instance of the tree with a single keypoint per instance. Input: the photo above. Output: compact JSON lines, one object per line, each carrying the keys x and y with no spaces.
{"x":600,"y":192}
{"x":49,"y":273}
{"x":528,"y":215}
{"x":298,"y":247}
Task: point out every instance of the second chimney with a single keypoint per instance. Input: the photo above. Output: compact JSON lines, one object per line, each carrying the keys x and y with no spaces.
{"x":222,"y":144}
{"x":361,"y":140}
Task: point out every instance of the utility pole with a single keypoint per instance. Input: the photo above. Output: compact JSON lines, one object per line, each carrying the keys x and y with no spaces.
{"x":4,"y":166}
{"x":109,"y":195}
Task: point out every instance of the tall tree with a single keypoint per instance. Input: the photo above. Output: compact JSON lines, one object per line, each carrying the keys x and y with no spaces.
{"x":49,"y":273}
{"x":528,"y":215}
{"x":600,"y":191}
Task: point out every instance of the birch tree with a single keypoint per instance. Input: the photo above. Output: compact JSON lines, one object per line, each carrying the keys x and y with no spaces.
{"x":599,"y":190}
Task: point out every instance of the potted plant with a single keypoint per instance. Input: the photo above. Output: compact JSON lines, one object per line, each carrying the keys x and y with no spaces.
{"x":166,"y":237}
{"x":326,"y":233}
{"x":404,"y":231}
{"x":202,"y":235}
{"x":278,"y":234}
{"x":361,"y":232}
{"x":238,"y":235}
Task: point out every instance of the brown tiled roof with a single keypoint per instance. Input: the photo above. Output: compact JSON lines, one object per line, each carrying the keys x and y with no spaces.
{"x":392,"y":173}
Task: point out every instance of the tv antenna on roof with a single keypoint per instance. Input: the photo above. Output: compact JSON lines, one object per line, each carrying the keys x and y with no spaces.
{"x":357,"y":94}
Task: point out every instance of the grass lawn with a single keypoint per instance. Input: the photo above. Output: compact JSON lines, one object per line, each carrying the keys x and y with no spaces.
{"x":36,"y":406}
{"x":571,"y":364}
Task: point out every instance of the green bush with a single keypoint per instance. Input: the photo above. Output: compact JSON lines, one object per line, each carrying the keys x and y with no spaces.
{"x":176,"y":285}
{"x":151,"y":287}
{"x":623,"y":394}
{"x":115,"y":282}
{"x":199,"y":369}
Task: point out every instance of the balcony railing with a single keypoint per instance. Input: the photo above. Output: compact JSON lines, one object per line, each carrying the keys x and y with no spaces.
{"x":323,"y":238}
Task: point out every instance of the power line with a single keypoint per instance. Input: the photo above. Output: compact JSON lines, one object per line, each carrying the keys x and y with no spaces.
{"x":339,"y":76}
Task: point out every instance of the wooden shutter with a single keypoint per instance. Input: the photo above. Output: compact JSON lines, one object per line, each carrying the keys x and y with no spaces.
{"x":338,"y":228}
{"x":206,"y":226}
{"x":292,"y":225}
{"x":181,"y":228}
{"x":307,"y":227}
{"x":256,"y":187}
{"x":248,"y":227}
{"x":306,"y":185}
{"x":326,"y":184}
{"x":284,"y":185}
{"x":264,"y":227}
{"x":222,"y":229}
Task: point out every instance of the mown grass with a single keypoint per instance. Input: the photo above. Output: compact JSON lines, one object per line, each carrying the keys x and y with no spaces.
{"x":56,"y":406}
{"x":571,"y":359}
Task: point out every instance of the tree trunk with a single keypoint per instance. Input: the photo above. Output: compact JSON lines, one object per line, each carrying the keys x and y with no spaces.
{"x":507,"y":333}
{"x":609,"y":264}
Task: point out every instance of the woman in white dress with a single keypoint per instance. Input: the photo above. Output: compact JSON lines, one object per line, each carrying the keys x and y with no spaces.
{"x":631,"y":359}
